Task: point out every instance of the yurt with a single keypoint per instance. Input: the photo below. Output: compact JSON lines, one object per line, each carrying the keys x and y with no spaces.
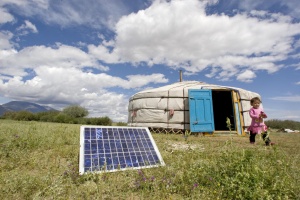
{"x":194,"y":106}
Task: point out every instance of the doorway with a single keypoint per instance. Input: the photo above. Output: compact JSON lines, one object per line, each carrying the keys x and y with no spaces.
{"x":222,"y":108}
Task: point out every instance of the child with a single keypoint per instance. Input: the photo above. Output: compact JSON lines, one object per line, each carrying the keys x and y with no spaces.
{"x":257,"y":124}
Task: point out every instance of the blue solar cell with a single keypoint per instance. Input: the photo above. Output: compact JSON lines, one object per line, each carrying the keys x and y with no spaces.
{"x":117,"y":148}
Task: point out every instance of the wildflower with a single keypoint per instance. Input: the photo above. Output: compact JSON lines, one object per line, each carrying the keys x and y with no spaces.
{"x":140,"y":172}
{"x":195,"y":185}
{"x":137,"y":184}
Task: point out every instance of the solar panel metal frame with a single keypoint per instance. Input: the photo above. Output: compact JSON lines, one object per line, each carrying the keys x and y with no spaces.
{"x":96,"y":154}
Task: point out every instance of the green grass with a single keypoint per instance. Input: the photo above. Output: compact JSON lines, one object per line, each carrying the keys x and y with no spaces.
{"x":40,"y":161}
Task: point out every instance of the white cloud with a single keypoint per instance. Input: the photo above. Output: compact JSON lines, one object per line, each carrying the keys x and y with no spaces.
{"x":63,"y":86}
{"x":271,"y":17}
{"x":27,"y":27}
{"x":58,"y":76}
{"x":178,"y":33}
{"x":298,"y":83}
{"x":295,"y":98}
{"x":136,"y":81}
{"x":61,"y":90}
{"x":283,"y":114}
{"x":5,"y":44}
{"x":72,"y":12}
{"x":5,"y":16}
{"x":101,"y":52}
{"x":107,"y":104}
{"x":17,"y":2}
{"x":291,"y":7}
{"x":35,"y":56}
{"x":181,"y":34}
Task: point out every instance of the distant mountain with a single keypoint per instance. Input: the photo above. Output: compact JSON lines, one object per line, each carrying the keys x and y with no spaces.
{"x":3,"y":110}
{"x":22,"y":105}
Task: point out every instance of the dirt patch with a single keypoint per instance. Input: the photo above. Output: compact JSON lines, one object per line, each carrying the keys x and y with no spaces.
{"x":184,"y":146}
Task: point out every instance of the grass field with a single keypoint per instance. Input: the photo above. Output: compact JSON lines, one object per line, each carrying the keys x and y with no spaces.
{"x":40,"y":161}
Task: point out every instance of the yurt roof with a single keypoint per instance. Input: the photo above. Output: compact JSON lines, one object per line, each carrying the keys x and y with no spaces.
{"x":180,"y":89}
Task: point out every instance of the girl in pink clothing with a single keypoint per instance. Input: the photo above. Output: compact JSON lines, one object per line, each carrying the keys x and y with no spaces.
{"x":257,"y":124}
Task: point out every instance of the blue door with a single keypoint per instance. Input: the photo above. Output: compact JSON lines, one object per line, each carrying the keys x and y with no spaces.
{"x":201,"y":111}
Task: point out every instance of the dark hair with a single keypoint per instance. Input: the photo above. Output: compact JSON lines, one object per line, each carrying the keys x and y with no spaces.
{"x":255,"y":99}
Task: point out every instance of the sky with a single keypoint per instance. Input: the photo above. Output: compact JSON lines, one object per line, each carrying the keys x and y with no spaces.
{"x":98,"y":53}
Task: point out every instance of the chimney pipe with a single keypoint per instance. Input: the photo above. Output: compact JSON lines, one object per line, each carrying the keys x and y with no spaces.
{"x":180,"y":75}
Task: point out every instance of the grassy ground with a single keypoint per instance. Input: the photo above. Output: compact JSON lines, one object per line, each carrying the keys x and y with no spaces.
{"x":40,"y":161}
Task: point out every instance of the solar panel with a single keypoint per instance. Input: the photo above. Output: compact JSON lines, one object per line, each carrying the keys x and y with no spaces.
{"x":109,"y":148}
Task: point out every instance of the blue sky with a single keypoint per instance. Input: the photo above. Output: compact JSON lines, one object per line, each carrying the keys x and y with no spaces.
{"x":98,"y":53}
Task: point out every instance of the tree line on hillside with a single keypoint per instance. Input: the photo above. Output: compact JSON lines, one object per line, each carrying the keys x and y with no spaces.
{"x":73,"y":114}
{"x":280,"y":124}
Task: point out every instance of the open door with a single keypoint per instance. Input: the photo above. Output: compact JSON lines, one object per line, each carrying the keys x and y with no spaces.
{"x":237,"y":113}
{"x":201,"y":111}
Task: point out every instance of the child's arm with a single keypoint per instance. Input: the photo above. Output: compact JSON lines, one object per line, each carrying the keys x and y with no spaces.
{"x":263,"y":115}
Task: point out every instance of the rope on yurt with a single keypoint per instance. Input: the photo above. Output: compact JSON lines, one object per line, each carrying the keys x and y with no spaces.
{"x":168,"y":108}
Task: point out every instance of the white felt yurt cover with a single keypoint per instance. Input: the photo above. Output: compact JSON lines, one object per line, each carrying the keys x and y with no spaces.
{"x":167,"y":106}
